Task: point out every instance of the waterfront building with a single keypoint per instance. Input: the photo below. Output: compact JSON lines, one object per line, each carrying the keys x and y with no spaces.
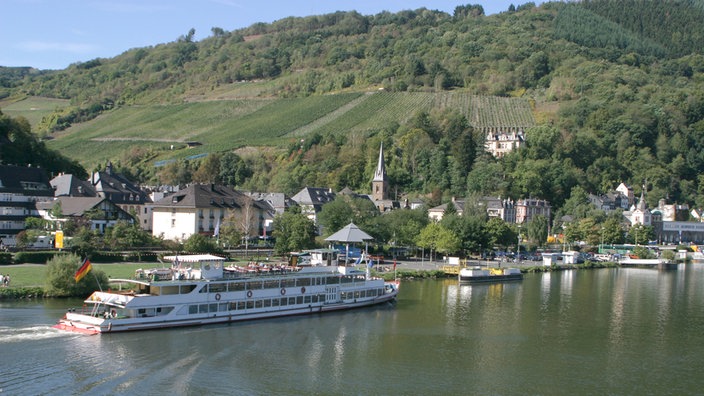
{"x":312,"y":199}
{"x":123,"y":193}
{"x":201,"y":208}
{"x":21,"y":188}
{"x":98,"y":212}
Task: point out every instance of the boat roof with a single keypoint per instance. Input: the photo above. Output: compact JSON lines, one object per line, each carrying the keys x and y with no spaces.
{"x":194,"y":258}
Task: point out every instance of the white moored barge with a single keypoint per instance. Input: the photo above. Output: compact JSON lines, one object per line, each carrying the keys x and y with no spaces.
{"x":478,"y":275}
{"x":198,"y":290}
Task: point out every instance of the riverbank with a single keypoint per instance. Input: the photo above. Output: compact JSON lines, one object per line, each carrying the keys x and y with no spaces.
{"x":27,"y":279}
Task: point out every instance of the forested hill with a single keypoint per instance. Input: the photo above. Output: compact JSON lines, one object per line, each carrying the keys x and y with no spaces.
{"x":616,"y":89}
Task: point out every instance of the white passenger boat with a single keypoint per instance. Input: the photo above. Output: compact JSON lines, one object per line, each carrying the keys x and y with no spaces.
{"x":478,"y":275}
{"x":199,"y":290}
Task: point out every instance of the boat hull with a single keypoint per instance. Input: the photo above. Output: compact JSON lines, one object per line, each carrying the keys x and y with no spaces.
{"x":490,"y":278}
{"x":86,"y":324}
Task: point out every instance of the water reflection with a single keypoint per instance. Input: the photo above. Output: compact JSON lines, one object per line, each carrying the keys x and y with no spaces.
{"x":620,"y":331}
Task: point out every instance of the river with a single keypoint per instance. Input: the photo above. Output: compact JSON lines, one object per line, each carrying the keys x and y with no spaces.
{"x":604,"y":331}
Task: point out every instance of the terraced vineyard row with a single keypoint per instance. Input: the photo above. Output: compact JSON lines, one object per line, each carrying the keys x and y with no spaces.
{"x":489,"y":111}
{"x":226,"y":125}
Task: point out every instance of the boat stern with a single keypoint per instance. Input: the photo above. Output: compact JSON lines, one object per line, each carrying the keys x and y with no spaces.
{"x":79,"y":323}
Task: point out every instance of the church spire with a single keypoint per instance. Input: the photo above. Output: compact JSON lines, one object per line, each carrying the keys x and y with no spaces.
{"x":379,"y":183}
{"x":380,"y":173}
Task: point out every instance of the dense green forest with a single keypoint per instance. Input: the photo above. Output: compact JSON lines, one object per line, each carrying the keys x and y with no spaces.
{"x":615,"y":88}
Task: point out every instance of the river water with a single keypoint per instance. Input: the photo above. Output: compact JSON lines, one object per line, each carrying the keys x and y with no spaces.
{"x":606,"y":331}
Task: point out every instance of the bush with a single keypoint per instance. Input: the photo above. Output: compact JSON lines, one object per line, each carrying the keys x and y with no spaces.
{"x":21,"y":292}
{"x":5,"y":258}
{"x":60,"y":281}
{"x":36,"y":257}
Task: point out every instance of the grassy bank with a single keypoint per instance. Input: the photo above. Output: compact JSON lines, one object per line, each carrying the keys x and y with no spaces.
{"x":27,"y":280}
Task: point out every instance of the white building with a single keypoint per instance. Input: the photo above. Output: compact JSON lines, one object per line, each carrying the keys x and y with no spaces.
{"x":201,"y":208}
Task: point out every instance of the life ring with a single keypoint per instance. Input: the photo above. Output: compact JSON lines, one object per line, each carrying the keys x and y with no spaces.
{"x":113,"y":313}
{"x":283,"y":291}
{"x":249,"y":293}
{"x":303,"y":290}
{"x":217,"y":296}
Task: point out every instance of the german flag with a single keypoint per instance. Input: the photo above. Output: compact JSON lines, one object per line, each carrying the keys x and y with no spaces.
{"x":85,"y":267}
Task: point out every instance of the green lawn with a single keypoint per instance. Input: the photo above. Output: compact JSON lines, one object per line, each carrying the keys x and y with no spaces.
{"x":33,"y":275}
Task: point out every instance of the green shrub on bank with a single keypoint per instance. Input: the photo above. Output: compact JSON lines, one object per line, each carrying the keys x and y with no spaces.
{"x":35,"y":257}
{"x":20,"y":292}
{"x":60,"y":282}
{"x":5,"y":258}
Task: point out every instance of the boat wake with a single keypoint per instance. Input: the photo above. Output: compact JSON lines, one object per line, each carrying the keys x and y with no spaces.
{"x":17,"y":334}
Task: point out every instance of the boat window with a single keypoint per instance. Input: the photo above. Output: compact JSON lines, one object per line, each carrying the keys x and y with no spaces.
{"x":319,"y":280}
{"x":185,"y":289}
{"x":155,"y":291}
{"x":192,"y":309}
{"x":275,"y":302}
{"x":169,"y":290}
{"x":292,"y":301}
{"x":284,"y":302}
{"x":291,"y":282}
{"x":203,"y":308}
{"x":332,"y":280}
{"x":240,"y":305}
{"x":233,"y":306}
{"x":267,"y":303}
{"x":223,"y":307}
{"x":303,"y":282}
{"x":213,"y":307}
{"x":236,"y":286}
{"x":258,"y":304}
{"x":204,"y":289}
{"x":250,"y":304}
{"x":347,"y":279}
{"x":356,"y":294}
{"x":254,"y":285}
{"x":299,"y":300}
{"x":307,"y":299}
{"x":271,"y":284}
{"x":217,"y":287}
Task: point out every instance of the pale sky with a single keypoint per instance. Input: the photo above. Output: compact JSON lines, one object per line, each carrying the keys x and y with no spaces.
{"x":52,"y":34}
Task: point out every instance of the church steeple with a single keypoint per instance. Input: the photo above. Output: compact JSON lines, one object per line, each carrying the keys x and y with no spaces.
{"x":379,"y":183}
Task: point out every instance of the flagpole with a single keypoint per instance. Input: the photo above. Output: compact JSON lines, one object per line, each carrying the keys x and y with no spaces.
{"x":97,"y":281}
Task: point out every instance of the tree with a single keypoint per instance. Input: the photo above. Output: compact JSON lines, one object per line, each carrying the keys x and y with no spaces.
{"x":612,"y":230}
{"x":230,"y":232}
{"x":537,"y":230}
{"x":209,"y":170}
{"x":500,"y":233}
{"x":85,"y":242}
{"x":401,"y":227}
{"x":293,"y":231}
{"x":233,"y":169}
{"x":248,"y":221}
{"x":198,"y":243}
{"x":125,"y":235}
{"x":469,"y":229}
{"x":640,"y":234}
{"x":347,"y":209}
{"x":60,"y":280}
{"x":435,"y":237}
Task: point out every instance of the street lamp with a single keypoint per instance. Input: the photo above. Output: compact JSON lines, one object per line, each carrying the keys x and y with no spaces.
{"x":518,"y":245}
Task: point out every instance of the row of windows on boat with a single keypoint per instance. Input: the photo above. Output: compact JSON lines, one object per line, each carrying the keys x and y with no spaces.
{"x":261,"y":303}
{"x":222,"y":287}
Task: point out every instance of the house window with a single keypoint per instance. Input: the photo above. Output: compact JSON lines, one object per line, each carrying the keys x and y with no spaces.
{"x":173,"y":223}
